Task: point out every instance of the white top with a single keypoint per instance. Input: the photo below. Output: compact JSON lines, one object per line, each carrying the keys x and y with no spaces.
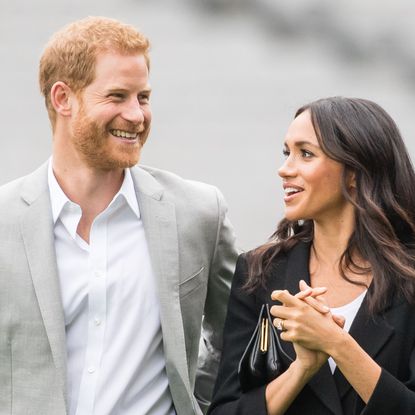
{"x":115,"y":359}
{"x":349,"y":312}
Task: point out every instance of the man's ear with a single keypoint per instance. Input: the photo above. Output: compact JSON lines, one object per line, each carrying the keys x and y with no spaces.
{"x":61,"y":98}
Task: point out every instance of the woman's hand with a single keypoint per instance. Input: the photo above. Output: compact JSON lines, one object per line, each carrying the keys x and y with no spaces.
{"x":306,"y":327}
{"x":314,"y":298}
{"x":310,"y":361}
{"x":304,"y":324}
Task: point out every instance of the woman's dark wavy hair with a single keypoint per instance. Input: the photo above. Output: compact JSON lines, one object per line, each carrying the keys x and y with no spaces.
{"x":361,"y":136}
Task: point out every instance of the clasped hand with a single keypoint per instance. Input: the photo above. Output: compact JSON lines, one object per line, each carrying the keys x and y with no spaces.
{"x":308,"y":323}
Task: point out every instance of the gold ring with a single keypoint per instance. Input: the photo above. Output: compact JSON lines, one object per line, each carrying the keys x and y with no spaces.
{"x":280,"y":324}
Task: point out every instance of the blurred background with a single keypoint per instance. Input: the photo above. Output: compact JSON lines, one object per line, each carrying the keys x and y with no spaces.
{"x":227,"y":77}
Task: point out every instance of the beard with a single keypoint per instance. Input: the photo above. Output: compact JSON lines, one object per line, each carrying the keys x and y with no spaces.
{"x":98,"y":150}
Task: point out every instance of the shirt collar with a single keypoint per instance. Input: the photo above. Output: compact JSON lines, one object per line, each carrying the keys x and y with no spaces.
{"x":128,"y":191}
{"x":59,"y":199}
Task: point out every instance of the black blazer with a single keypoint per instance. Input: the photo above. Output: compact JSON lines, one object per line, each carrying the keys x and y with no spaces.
{"x":388,"y":338}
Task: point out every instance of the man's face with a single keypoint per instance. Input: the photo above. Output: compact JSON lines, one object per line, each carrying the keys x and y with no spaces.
{"x":113,"y":117}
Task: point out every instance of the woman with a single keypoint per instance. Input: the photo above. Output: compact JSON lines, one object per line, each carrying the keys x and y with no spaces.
{"x":350,"y":227}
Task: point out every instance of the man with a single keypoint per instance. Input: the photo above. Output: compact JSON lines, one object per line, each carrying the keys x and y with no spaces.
{"x":113,"y":278}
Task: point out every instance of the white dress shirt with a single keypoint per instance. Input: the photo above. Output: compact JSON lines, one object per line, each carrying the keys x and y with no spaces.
{"x":116,"y":364}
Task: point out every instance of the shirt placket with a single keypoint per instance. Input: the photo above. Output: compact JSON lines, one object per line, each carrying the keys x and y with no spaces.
{"x":97,"y":313}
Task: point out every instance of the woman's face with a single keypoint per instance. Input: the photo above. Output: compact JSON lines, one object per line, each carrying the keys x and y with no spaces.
{"x":311,"y":180}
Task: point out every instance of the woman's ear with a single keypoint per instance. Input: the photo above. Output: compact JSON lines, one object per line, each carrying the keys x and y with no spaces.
{"x":61,"y":98}
{"x":351,"y":180}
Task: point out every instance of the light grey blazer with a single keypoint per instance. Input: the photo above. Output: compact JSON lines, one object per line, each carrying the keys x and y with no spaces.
{"x":192,"y":251}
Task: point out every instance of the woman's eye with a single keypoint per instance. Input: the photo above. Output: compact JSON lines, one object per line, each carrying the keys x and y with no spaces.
{"x":285,"y":152}
{"x":306,"y":154}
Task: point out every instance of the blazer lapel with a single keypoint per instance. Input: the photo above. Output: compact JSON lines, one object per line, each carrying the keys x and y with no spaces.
{"x":322,"y":383}
{"x":372,"y":333}
{"x":296,"y":270}
{"x":160,"y":226}
{"x":37,"y":234}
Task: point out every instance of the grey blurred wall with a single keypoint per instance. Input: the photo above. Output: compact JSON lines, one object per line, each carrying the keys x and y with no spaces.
{"x":227,"y":77}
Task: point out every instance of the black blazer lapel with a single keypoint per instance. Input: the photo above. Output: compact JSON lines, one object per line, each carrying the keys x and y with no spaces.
{"x":286,"y":275}
{"x":296,"y":270}
{"x":322,"y":384}
{"x":324,"y":387}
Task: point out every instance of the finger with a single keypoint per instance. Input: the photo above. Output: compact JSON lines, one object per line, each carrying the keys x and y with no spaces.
{"x":311,"y":292}
{"x":287,"y":336}
{"x":280,"y":311}
{"x":317,"y":291}
{"x":339,"y":320}
{"x":279,"y":323}
{"x":303,"y":285}
{"x":317,"y":305}
{"x":314,"y":291}
{"x":285,"y":297}
{"x":321,"y":298}
{"x":304,"y":293}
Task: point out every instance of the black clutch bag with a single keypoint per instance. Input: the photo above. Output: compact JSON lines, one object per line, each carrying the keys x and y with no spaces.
{"x":261,"y":361}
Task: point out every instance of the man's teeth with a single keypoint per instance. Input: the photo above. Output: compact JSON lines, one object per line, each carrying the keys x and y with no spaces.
{"x":291,"y":190}
{"x":124,"y":134}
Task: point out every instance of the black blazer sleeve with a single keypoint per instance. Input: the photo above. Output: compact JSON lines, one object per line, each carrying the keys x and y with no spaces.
{"x":392,"y":396}
{"x":395,"y":391}
{"x":242,"y":317}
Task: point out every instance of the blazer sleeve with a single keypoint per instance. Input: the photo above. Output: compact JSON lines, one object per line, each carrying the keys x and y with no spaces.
{"x":222,"y":267}
{"x":241,"y":320}
{"x":392,"y":396}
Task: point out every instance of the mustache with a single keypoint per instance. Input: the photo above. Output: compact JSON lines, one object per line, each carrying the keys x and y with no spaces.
{"x":130,"y":127}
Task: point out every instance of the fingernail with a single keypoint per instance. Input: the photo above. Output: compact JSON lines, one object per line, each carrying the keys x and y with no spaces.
{"x":275,"y":293}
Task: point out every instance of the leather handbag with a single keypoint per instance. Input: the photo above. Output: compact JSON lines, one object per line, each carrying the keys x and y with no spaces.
{"x":261,"y":361}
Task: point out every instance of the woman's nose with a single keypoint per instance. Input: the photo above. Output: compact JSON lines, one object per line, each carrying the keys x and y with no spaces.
{"x":287,"y":169}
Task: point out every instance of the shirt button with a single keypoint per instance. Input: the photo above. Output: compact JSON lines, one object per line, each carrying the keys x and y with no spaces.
{"x":99,"y":274}
{"x":91,"y":370}
{"x":97,"y":321}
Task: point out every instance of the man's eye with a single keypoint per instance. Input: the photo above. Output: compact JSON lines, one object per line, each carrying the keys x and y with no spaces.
{"x":117,"y":95}
{"x":144,"y":99}
{"x":285,"y":152}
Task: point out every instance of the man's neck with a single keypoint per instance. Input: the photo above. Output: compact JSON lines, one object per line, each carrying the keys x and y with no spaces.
{"x":91,"y":189}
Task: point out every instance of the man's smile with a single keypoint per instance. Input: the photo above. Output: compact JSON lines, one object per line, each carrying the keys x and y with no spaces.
{"x":125,"y":134}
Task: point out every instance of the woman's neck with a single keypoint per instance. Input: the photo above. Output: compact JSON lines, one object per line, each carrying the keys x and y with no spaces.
{"x":330,"y":241}
{"x":331,"y":237}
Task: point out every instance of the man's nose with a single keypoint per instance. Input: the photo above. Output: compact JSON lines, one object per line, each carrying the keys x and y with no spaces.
{"x":133,"y":112}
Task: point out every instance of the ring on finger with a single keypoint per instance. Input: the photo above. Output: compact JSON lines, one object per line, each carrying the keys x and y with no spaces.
{"x":280,"y":324}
